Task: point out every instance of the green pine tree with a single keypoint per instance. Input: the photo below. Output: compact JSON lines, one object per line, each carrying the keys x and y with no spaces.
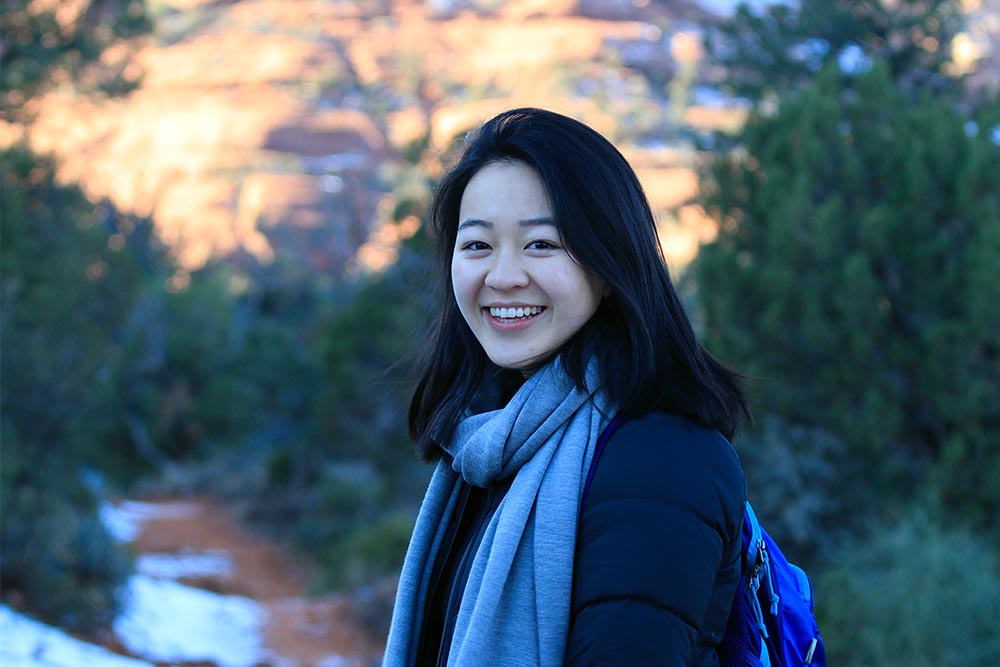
{"x":785,"y":45}
{"x":856,"y":275}
{"x":69,"y":272}
{"x":63,"y":41}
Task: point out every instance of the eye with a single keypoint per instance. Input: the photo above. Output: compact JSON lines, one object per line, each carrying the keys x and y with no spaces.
{"x":542,"y":245}
{"x":475,"y":246}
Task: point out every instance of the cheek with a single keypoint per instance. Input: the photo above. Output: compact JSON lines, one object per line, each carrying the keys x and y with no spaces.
{"x":462,"y":286}
{"x":598,"y":288}
{"x":585,"y":291}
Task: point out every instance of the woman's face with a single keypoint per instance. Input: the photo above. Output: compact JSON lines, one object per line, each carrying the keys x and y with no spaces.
{"x":516,"y":284}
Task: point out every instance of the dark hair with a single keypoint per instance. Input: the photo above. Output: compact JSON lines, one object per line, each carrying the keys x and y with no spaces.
{"x":640,"y":335}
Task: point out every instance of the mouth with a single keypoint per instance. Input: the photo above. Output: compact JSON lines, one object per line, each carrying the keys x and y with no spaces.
{"x":514,"y":314}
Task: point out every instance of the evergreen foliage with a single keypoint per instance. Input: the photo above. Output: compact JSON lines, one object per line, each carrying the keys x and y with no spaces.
{"x":58,"y":558}
{"x":110,"y":376}
{"x":856,"y":275}
{"x":784,"y":47}
{"x":65,"y":42}
{"x":297,"y":398}
{"x":361,"y":481}
{"x":917,"y":592}
{"x":209,"y":368}
{"x":349,"y":494}
{"x":70,"y":272}
{"x":367,"y":353}
{"x":284,"y":398}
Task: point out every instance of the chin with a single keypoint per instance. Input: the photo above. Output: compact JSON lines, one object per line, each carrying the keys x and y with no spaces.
{"x":523,"y":366}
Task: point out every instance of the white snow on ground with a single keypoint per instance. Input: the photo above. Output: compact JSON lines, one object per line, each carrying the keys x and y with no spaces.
{"x":165,"y":621}
{"x":125,"y":520}
{"x":27,"y":643}
{"x":338,"y":661}
{"x":211,"y":563}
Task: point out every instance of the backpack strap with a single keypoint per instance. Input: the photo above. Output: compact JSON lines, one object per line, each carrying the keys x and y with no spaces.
{"x":602,"y":442}
{"x":756,"y":537}
{"x":756,"y":568}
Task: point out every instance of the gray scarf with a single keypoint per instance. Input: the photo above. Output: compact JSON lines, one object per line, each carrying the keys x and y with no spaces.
{"x":516,"y":607}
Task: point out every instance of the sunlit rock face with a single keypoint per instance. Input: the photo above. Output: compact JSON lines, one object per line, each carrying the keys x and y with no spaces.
{"x":265,"y":132}
{"x":273,"y":133}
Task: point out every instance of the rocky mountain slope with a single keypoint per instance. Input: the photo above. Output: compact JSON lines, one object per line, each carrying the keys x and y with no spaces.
{"x":273,"y":133}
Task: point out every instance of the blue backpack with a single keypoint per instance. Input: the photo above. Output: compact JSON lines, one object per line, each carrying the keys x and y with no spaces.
{"x":771,"y":623}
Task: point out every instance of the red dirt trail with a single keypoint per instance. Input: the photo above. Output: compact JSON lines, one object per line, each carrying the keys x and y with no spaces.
{"x":301,"y":630}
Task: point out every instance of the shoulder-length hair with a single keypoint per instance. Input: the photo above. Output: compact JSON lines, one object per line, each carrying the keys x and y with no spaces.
{"x":640,"y":335}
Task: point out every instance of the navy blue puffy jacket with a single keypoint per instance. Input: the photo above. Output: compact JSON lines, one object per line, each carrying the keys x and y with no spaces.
{"x":658,"y":549}
{"x":657,"y":558}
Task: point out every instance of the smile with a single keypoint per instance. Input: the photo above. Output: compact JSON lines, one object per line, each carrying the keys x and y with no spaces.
{"x":518,"y":313}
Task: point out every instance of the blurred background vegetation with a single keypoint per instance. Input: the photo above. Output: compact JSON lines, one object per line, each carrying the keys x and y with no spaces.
{"x":852,"y":269}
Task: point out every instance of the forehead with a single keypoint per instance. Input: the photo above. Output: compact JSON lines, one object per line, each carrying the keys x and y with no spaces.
{"x":505,"y":191}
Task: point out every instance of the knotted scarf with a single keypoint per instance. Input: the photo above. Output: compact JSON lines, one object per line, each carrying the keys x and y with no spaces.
{"x":515,"y":610}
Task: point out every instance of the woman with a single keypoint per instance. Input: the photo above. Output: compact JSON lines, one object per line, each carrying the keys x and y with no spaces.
{"x":560,"y":316}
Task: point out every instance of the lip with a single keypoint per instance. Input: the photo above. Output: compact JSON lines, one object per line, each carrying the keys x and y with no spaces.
{"x":511,"y":325}
{"x":516,"y":304}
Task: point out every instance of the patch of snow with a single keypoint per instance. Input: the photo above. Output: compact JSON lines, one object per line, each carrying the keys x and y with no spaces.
{"x":338,"y":661}
{"x":164,"y":621}
{"x":29,"y":643}
{"x":123,"y":526}
{"x":125,"y":520}
{"x":214,"y":563}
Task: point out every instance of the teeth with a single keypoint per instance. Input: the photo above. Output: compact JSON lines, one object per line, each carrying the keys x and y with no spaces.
{"x":514,"y":313}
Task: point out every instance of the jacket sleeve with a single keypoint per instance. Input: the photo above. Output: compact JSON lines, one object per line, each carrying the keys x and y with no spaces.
{"x":660,"y":521}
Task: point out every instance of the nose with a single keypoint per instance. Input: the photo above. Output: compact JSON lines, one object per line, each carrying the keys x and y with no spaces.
{"x":506,"y":273}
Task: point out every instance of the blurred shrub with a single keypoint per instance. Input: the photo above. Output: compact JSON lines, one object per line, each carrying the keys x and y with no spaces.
{"x":208,"y":368}
{"x":781,"y":46}
{"x":58,"y":559}
{"x":854,"y":275}
{"x":76,"y":41}
{"x":373,"y":605}
{"x":310,"y":382}
{"x":368,"y":552}
{"x":71,"y":272}
{"x":289,"y":398}
{"x":347,"y":492}
{"x":917,"y":593}
{"x":69,"y":275}
{"x":334,"y":499}
{"x":367,"y":350}
{"x":800,"y":479}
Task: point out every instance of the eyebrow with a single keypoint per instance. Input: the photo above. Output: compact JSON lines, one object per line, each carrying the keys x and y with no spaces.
{"x":528,"y":222}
